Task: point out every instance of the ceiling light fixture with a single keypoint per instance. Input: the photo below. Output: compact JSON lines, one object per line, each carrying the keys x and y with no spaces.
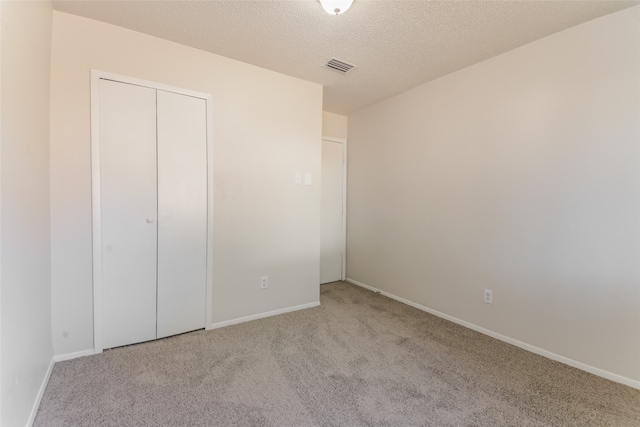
{"x":336,"y":7}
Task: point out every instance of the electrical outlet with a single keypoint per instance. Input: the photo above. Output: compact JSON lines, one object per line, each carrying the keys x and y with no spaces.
{"x":264,"y":282}
{"x":488,"y":296}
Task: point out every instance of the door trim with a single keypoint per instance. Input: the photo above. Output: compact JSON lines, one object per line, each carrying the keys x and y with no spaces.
{"x":344,"y":201}
{"x":96,"y":76}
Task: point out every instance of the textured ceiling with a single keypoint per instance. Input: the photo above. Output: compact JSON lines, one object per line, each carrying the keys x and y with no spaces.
{"x":396,"y":44}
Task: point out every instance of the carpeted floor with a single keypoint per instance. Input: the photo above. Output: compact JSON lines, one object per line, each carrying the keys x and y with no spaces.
{"x":360,"y":359}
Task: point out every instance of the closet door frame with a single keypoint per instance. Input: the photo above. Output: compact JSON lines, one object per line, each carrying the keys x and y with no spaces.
{"x":96,"y":76}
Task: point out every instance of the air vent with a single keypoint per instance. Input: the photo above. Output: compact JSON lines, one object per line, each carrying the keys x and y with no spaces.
{"x":339,"y":66}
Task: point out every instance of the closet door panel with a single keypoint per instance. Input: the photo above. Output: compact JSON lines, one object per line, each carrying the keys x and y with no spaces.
{"x":128,"y":212}
{"x":182,"y":213}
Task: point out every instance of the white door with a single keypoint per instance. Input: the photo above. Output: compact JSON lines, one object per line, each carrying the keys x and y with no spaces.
{"x":182,"y":209}
{"x":153,"y":189}
{"x":129,"y":208}
{"x":332,"y":236}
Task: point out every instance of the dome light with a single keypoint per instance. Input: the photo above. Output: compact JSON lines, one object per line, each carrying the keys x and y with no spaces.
{"x":336,"y":7}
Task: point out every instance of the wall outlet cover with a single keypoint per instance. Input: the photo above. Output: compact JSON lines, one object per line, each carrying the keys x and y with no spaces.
{"x":488,"y":296}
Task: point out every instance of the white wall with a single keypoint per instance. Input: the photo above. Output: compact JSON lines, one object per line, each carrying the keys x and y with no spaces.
{"x":267,"y":127}
{"x":520,"y":175}
{"x":25,"y":240}
{"x":334,"y":125}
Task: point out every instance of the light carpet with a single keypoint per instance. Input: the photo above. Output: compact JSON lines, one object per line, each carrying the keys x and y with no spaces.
{"x":360,"y":359}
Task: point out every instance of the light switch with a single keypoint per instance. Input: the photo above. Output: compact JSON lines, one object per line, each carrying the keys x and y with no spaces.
{"x":307,"y":179}
{"x":298,"y":178}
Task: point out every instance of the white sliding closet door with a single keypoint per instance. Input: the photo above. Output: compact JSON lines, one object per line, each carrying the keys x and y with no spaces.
{"x":182,"y":208}
{"x":153,"y":212}
{"x":128,"y":212}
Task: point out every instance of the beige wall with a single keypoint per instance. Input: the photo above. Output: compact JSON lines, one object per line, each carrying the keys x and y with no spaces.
{"x":24,"y":223}
{"x":334,"y":125}
{"x":264,"y":224}
{"x":520,"y":175}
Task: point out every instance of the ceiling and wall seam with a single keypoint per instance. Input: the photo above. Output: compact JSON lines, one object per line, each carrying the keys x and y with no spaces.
{"x":397,"y":45}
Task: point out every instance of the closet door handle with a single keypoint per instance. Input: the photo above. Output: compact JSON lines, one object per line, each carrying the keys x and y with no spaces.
{"x":149,"y":220}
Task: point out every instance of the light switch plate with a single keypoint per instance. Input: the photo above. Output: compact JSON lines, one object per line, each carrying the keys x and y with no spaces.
{"x":298,"y":179}
{"x":307,"y":179}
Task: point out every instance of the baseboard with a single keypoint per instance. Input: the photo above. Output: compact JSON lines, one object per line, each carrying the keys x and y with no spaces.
{"x":533,"y":349}
{"x":75,"y":355}
{"x":43,"y":387}
{"x":261,"y":315}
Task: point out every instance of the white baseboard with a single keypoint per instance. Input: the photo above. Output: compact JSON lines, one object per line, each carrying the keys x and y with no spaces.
{"x":45,"y":381}
{"x":69,"y":356}
{"x":533,"y":349}
{"x":43,"y":387}
{"x":261,"y":315}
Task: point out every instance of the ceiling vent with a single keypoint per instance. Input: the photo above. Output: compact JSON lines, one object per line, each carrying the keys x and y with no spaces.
{"x":339,"y":66}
